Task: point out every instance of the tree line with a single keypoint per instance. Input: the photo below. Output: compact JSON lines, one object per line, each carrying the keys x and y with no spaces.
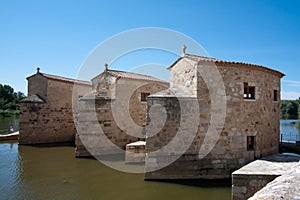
{"x":9,"y":100}
{"x":290,"y":109}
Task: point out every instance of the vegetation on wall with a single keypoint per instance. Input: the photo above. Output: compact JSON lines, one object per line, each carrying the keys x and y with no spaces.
{"x":9,"y":101}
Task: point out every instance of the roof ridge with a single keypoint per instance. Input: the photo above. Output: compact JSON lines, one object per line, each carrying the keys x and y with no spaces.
{"x":219,"y":61}
{"x":131,"y":73}
{"x":226,"y":61}
{"x":138,"y":76}
{"x":64,"y":78}
{"x":201,"y":56}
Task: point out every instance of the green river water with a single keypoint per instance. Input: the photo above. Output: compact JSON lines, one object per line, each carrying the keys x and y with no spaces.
{"x":28,"y":172}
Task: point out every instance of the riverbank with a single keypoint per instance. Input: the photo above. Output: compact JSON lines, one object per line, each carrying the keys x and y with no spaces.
{"x":8,"y":123}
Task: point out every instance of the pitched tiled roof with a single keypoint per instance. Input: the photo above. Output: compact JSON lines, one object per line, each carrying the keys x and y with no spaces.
{"x":222,"y":62}
{"x":33,"y":99}
{"x":60,"y":78}
{"x":130,"y":75}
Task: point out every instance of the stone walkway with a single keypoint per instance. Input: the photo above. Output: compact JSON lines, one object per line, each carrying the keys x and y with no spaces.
{"x":257,"y":174}
{"x":286,"y":186}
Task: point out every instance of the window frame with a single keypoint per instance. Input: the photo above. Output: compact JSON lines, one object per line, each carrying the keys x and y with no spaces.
{"x":249,"y":91}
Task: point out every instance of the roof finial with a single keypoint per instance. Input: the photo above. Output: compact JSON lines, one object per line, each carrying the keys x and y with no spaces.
{"x":183,"y":50}
{"x":106,"y":66}
{"x":38,"y":70}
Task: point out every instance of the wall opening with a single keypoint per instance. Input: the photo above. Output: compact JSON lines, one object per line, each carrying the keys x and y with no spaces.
{"x":144,"y":96}
{"x":275,"y":95}
{"x":250,"y":143}
{"x":249,"y":91}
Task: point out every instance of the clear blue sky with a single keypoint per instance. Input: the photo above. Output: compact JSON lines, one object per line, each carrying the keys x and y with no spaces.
{"x":59,"y":35}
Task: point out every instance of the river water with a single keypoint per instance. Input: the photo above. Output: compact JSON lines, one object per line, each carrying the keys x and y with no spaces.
{"x":28,"y":172}
{"x":288,"y":130}
{"x":53,"y":173}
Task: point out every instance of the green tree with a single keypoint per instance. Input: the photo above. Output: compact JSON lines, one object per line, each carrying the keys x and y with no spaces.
{"x":9,"y":99}
{"x":289,"y":109}
{"x":292,"y":110}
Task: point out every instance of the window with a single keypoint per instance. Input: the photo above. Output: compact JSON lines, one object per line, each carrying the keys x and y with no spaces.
{"x":144,"y":96}
{"x":275,"y":95}
{"x":249,"y":91}
{"x":250,"y":143}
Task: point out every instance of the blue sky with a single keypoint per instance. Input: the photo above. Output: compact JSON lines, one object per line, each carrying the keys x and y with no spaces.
{"x":58,"y":36}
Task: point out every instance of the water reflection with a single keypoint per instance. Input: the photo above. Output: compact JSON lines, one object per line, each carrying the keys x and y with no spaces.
{"x":10,"y":168}
{"x":53,"y":173}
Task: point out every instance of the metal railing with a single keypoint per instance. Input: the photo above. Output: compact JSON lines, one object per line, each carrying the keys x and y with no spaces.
{"x":289,"y":137}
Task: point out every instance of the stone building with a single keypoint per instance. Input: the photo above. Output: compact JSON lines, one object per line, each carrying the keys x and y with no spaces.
{"x":46,"y":114}
{"x":201,"y":89}
{"x":114,"y":113}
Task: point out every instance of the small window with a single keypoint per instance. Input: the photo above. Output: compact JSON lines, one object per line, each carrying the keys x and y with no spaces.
{"x":275,"y":95}
{"x":144,"y":96}
{"x":250,"y":143}
{"x":249,"y":91}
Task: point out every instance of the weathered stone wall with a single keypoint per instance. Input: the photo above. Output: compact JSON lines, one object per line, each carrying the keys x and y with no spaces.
{"x":259,"y":117}
{"x":184,"y":77}
{"x":105,"y":85}
{"x":138,"y":108}
{"x":135,"y":152}
{"x":97,"y":128}
{"x":283,"y":187}
{"x":244,"y":186}
{"x":51,"y":121}
{"x":120,"y":120}
{"x":251,"y":178}
{"x":37,"y":85}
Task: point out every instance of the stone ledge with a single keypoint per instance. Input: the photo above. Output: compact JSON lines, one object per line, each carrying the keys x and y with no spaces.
{"x":257,"y":174}
{"x":283,"y":187}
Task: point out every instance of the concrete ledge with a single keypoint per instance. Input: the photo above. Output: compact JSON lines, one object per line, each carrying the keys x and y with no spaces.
{"x":135,"y":152}
{"x":283,"y":187}
{"x":251,"y":178}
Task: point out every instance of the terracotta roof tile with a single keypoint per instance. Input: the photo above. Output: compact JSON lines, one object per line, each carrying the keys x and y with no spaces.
{"x":220,"y":62}
{"x":130,"y":75}
{"x":33,"y":99}
{"x":60,"y":78}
